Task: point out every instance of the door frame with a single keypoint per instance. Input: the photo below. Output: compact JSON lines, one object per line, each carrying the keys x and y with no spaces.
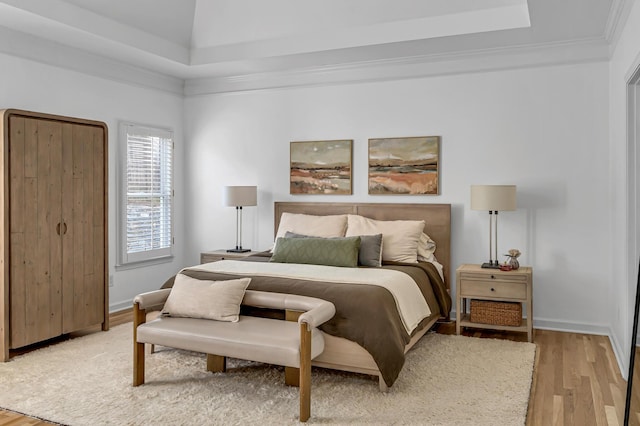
{"x":633,"y":193}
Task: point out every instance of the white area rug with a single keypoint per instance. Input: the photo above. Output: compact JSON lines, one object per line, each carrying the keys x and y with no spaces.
{"x":447,"y":380}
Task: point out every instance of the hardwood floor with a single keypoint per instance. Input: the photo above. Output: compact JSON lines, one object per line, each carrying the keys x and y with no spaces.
{"x":576,"y":381}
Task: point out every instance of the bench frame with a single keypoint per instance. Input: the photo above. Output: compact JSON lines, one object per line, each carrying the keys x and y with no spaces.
{"x":300,"y":377}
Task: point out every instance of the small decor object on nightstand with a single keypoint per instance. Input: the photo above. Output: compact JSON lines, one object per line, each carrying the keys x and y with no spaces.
{"x":239,"y":196}
{"x":513,"y":258}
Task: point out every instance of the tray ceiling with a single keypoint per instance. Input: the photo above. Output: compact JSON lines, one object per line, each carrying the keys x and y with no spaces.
{"x":191,"y":39}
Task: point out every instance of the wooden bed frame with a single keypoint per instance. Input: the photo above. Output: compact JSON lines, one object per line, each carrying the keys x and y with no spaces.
{"x":343,"y":354}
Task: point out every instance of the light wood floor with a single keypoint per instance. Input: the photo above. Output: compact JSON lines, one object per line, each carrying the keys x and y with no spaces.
{"x":576,"y":381}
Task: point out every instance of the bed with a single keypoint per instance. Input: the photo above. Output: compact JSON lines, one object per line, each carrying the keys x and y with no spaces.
{"x":379,"y":330}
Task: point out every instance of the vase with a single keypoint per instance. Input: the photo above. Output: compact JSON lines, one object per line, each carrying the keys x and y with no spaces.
{"x":513,"y":262}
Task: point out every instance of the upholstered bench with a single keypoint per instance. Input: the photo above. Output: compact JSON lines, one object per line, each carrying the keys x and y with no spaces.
{"x":272,"y":341}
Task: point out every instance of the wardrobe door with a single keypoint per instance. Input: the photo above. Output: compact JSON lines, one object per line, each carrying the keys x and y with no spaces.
{"x":83,"y":226}
{"x":35,"y":162}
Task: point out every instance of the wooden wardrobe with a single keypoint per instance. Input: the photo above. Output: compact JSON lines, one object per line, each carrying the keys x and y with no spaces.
{"x":53,"y":227}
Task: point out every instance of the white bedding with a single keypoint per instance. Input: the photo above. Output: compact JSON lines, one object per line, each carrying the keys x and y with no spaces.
{"x":411,"y":304}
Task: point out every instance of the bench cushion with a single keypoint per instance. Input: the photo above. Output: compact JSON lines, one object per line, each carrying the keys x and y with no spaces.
{"x":256,"y":339}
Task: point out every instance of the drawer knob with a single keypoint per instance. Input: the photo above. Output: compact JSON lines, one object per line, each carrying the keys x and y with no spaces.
{"x":493,"y":277}
{"x":493,"y":289}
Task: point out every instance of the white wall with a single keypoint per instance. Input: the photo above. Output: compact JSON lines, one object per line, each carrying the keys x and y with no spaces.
{"x":37,"y":87}
{"x":543,"y":129}
{"x":625,"y":59}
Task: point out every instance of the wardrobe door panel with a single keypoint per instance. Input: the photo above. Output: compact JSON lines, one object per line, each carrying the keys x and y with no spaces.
{"x":48,"y":250}
{"x":83,"y":274}
{"x":96,"y":217}
{"x":36,"y":293}
{"x":17,"y":219}
{"x":95,"y":261}
{"x":30,"y":213}
{"x":68,"y":257}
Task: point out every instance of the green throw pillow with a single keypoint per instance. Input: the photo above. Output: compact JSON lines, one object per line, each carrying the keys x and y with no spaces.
{"x":317,"y":251}
{"x":370,"y":247}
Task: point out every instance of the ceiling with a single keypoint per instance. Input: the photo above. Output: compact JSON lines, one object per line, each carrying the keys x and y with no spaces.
{"x":205,"y":39}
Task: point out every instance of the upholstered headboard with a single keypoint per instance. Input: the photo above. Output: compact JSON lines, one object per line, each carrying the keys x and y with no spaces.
{"x":437,"y":219}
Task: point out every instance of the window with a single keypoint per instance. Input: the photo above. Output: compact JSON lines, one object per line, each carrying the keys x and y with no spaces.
{"x":146,"y":200}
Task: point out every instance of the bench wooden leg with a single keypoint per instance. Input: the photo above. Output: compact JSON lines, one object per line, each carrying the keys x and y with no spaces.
{"x":305,"y":373}
{"x":216,"y":363}
{"x":292,"y":376}
{"x":139,"y":317}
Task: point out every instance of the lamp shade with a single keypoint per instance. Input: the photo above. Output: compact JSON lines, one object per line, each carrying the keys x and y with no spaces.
{"x":240,"y":196}
{"x":493,"y":197}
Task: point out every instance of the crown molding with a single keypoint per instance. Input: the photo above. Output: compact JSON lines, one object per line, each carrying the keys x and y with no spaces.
{"x":618,"y":14}
{"x":581,"y":51}
{"x":83,"y":29}
{"x":34,"y":48}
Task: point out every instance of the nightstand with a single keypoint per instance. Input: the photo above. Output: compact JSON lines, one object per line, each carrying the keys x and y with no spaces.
{"x":216,"y":255}
{"x":474,"y":282}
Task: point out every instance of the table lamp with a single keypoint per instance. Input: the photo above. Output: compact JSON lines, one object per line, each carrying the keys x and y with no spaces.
{"x":238,"y":197}
{"x":493,"y":198}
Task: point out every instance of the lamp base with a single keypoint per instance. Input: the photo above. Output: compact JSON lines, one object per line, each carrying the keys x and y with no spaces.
{"x":238,"y":250}
{"x":490,"y":265}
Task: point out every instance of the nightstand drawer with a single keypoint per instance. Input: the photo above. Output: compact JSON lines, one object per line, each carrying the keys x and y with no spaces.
{"x":217,"y":255}
{"x":208,"y":258}
{"x":491,"y":288}
{"x":498,"y":276}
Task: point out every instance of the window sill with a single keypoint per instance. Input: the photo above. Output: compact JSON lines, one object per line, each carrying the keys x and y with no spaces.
{"x":144,"y":263}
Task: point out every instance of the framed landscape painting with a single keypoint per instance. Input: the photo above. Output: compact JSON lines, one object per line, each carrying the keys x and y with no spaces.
{"x":404,"y":165}
{"x":321,"y":167}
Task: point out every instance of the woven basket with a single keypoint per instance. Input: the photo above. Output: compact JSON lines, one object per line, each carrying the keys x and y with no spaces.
{"x":496,"y":313}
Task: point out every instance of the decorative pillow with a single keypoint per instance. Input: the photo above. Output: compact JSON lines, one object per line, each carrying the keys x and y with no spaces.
{"x":370,"y":253}
{"x":370,"y":250}
{"x":317,"y":251}
{"x":400,"y":237}
{"x":426,"y":248}
{"x":315,"y":226}
{"x":215,"y":300}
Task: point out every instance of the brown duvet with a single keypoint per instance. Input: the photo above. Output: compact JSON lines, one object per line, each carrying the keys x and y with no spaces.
{"x":365,"y":314}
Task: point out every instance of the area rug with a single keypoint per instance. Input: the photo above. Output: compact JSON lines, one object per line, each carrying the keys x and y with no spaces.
{"x":447,"y":380}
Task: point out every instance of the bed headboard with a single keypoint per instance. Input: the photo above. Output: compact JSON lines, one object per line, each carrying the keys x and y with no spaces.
{"x":437,"y":219}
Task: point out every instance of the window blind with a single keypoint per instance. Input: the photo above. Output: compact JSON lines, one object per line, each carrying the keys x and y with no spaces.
{"x":148,"y":183}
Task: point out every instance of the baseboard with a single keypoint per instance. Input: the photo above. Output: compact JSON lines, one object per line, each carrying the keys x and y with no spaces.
{"x":621,"y":357}
{"x":572,"y":327}
{"x":120,"y":306}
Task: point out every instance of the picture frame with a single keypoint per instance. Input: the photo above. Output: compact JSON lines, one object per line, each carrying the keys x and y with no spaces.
{"x":404,"y":166}
{"x":321,"y":167}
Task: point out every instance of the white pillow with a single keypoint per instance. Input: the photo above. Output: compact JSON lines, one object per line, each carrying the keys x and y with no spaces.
{"x":426,"y":250}
{"x":426,"y":247}
{"x":313,"y":226}
{"x":215,"y":300}
{"x":400,"y":237}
